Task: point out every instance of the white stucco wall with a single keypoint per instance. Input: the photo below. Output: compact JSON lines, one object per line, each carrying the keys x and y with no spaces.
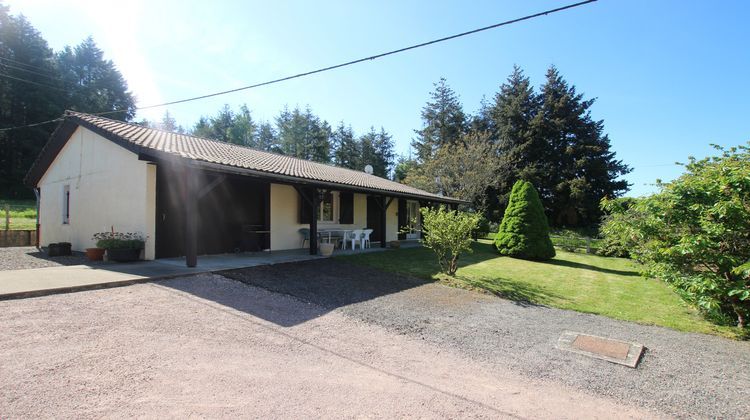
{"x":109,"y":186}
{"x":285,"y":219}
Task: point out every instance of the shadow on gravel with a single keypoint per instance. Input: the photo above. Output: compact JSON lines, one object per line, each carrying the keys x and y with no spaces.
{"x":327,"y":283}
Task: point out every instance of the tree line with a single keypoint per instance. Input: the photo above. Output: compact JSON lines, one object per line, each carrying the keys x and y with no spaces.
{"x":295,"y":132}
{"x":38,"y":84}
{"x":546,"y":137}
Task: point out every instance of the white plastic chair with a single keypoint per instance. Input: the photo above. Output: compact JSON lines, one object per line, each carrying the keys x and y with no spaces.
{"x":355,"y":236}
{"x":365,"y":238}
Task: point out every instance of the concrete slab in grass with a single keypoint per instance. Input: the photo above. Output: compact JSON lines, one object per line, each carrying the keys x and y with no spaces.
{"x":615,"y":351}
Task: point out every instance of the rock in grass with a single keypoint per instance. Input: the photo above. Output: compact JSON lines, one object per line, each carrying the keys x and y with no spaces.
{"x":524,"y":231}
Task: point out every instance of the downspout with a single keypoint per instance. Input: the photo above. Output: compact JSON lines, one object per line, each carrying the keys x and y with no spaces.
{"x":37,"y":193}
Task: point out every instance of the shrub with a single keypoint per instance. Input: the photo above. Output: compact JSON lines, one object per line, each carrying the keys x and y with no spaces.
{"x":448,"y":233}
{"x":119,"y":240}
{"x":524,"y":231}
{"x":695,"y":234}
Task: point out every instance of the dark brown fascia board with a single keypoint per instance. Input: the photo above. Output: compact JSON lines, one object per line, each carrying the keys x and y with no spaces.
{"x":156,"y":156}
{"x":290,"y":180}
{"x":145,"y":153}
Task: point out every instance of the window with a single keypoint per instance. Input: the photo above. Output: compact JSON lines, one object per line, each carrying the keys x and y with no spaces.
{"x":66,"y":205}
{"x":325,"y":213}
{"x":412,"y":214}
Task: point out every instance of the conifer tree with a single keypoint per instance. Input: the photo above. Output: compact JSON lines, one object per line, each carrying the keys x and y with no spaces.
{"x":579,"y":167}
{"x":443,"y":122}
{"x":524,"y":231}
{"x":347,"y":152}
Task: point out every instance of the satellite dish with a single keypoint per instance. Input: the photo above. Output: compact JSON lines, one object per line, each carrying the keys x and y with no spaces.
{"x":368,"y":169}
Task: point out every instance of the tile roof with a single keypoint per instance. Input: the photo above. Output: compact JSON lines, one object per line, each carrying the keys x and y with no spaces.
{"x":231,"y":155}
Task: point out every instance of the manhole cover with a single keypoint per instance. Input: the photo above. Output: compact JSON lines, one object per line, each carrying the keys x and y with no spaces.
{"x":615,"y":351}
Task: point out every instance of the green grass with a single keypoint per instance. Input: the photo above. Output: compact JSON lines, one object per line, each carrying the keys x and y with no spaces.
{"x":22,"y":214}
{"x":586,"y":283}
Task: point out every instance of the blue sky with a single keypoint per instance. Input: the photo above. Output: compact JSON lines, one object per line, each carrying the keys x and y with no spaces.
{"x":670,"y":76}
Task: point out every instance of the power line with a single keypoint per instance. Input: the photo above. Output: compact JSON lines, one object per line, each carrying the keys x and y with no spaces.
{"x":20,"y":63}
{"x":32,"y":82}
{"x":30,"y":71}
{"x":373,"y":57}
{"x":349,"y":63}
{"x":31,"y":125}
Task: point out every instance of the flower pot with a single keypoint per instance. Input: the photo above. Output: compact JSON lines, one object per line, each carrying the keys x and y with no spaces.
{"x":326,"y":249}
{"x":123,"y":254}
{"x":395,"y":244}
{"x":58,"y":249}
{"x":95,"y":254}
{"x":53,"y":250}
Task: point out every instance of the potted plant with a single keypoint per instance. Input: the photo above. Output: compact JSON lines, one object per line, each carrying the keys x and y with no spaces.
{"x":326,"y":249}
{"x":121,"y":246}
{"x":96,"y":253}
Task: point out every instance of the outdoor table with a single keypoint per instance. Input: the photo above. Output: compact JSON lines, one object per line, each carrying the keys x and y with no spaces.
{"x":344,"y":234}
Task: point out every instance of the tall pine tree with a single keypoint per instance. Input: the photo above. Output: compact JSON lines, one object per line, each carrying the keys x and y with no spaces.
{"x":347,"y":151}
{"x":38,"y":85}
{"x":443,"y":122}
{"x":521,"y":155}
{"x":580,"y":169}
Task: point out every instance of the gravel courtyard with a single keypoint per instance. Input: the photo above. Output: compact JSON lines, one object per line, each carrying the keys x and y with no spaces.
{"x":327,"y":339}
{"x":23,"y":257}
{"x":680,"y":374}
{"x":207,"y":346}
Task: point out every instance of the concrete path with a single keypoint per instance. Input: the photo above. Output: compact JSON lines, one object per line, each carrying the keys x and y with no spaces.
{"x":49,"y":280}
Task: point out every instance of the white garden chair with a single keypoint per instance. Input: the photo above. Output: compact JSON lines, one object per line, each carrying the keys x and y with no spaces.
{"x":355,"y":236}
{"x":365,"y":243}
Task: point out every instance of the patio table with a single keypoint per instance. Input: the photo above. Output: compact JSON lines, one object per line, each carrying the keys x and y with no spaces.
{"x":344,"y":234}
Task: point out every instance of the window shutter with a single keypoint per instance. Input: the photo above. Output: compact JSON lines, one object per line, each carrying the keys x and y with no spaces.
{"x":305,"y":210}
{"x":402,"y":219}
{"x":346,"y":208}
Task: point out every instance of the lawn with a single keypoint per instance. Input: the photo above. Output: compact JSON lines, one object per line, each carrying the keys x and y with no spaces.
{"x":586,"y":283}
{"x":22,"y":214}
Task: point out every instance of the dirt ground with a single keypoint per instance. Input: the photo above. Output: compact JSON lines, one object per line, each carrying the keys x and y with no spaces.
{"x":207,"y":346}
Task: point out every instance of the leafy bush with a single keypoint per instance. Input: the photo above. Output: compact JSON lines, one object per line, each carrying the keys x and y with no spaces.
{"x":695,"y":233}
{"x":524,"y":231}
{"x":615,"y":242}
{"x":448,"y":233}
{"x":119,"y":240}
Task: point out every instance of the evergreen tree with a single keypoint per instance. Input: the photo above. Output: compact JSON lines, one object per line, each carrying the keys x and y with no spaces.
{"x":24,"y":54}
{"x":38,"y":85}
{"x":522,"y":156}
{"x":168,"y":123}
{"x":202,"y":128}
{"x":404,"y":166}
{"x":384,"y":154}
{"x":524,"y":231}
{"x":93,"y":83}
{"x":222,"y":125}
{"x":367,"y":148}
{"x":244,"y":131}
{"x":443,"y":122}
{"x":304,"y":135}
{"x":266,"y":138}
{"x":579,"y":167}
{"x":347,"y":152}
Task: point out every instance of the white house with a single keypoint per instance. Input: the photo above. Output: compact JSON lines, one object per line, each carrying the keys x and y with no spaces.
{"x":194,"y":196}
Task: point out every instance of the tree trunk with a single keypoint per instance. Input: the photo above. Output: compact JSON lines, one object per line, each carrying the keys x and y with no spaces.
{"x":740,"y":316}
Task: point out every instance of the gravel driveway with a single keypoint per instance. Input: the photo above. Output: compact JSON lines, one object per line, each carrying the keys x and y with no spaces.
{"x":681,"y":374}
{"x":207,"y":346}
{"x":23,"y":257}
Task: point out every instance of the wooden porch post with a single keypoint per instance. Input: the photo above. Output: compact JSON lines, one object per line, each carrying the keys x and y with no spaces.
{"x":190,"y":181}
{"x":315,"y":199}
{"x":383,"y":221}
